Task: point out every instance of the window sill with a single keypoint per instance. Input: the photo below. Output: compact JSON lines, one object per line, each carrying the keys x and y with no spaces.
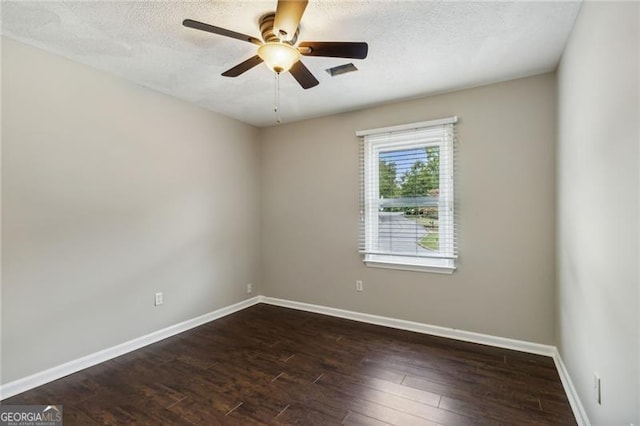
{"x":436,"y":266}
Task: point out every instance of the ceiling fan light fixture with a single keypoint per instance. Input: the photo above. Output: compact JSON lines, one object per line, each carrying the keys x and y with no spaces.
{"x":279,"y":57}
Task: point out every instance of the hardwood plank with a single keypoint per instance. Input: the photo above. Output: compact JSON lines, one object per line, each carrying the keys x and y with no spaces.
{"x":307,"y":394}
{"x":472,"y":393}
{"x":296,"y":414}
{"x":73,"y":416}
{"x":386,"y":414}
{"x":406,"y":392}
{"x":357,"y":419}
{"x":480,"y":409}
{"x":428,"y":411}
{"x":201,"y":410}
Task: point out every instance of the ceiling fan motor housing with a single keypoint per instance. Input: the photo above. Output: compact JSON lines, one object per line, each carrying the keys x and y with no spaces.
{"x":266,"y":28}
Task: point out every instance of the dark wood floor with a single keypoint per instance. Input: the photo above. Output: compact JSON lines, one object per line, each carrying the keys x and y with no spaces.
{"x":270,"y":365}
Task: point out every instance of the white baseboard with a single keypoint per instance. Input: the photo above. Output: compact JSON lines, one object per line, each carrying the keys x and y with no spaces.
{"x":434,"y":330}
{"x":576,"y":405}
{"x":21,"y":385}
{"x":452,"y":333}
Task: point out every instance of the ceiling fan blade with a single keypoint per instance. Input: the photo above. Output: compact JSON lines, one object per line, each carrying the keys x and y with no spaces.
{"x":190,"y":23}
{"x":243,"y":66}
{"x":288,"y":16}
{"x":303,"y":76}
{"x":334,"y":49}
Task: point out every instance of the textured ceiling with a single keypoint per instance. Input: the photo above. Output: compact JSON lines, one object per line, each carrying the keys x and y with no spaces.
{"x":416,"y":48}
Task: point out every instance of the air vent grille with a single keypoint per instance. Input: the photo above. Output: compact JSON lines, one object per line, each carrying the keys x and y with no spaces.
{"x":341,"y":69}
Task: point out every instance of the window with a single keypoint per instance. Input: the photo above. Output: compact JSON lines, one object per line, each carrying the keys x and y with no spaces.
{"x":407,"y":196}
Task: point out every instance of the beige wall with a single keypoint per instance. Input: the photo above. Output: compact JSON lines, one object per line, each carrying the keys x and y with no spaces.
{"x":110,"y":193}
{"x":504,"y":285}
{"x":598,"y":195}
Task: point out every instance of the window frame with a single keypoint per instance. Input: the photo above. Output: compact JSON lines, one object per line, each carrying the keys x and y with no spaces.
{"x":443,"y":263}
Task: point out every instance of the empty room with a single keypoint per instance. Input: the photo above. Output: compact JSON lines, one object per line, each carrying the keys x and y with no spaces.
{"x":320,"y":212}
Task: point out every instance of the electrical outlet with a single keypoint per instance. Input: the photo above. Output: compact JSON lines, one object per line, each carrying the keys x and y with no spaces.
{"x":597,"y":390}
{"x":359,"y":286}
{"x":159,"y":299}
{"x":249,"y":288}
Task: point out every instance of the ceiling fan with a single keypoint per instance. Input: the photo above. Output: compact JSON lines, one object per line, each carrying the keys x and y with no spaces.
{"x":277,"y":48}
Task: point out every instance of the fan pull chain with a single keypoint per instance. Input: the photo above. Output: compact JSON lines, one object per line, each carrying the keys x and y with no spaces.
{"x":276,"y":99}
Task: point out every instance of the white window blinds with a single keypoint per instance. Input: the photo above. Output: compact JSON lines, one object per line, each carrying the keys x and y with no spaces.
{"x":407,"y":199}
